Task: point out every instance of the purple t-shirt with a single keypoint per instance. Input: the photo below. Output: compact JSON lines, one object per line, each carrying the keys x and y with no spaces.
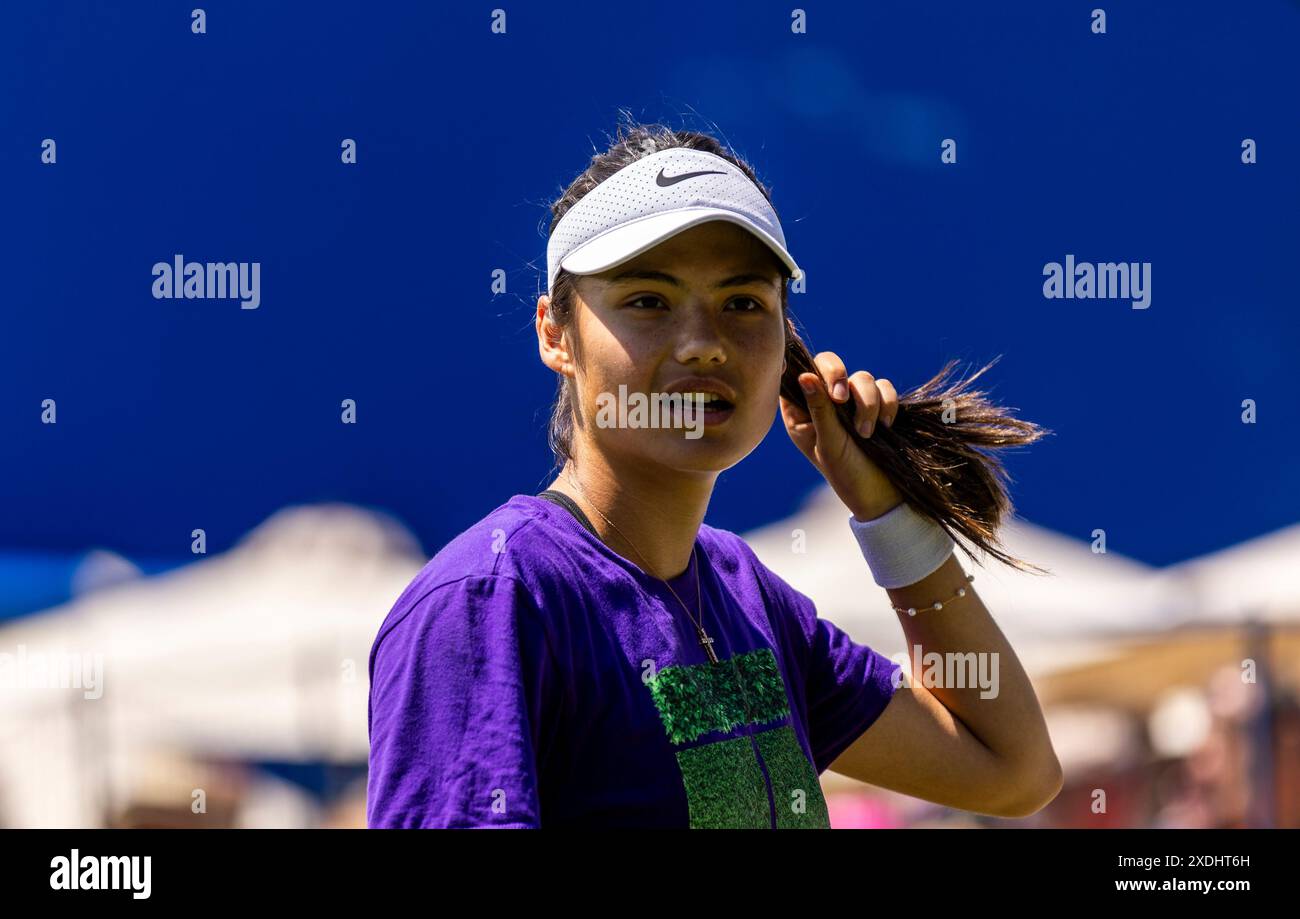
{"x":530,"y":676}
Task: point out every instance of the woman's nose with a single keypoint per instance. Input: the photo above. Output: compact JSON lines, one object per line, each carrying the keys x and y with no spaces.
{"x":700,"y":337}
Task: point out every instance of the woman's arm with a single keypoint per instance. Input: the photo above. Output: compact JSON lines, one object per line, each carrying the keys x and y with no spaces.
{"x":979,"y":748}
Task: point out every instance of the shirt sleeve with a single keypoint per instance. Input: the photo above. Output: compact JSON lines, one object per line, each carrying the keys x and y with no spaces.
{"x":846,"y":684}
{"x":461,"y":706}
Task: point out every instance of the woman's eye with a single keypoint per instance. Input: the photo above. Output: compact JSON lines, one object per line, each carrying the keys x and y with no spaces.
{"x":739,"y":304}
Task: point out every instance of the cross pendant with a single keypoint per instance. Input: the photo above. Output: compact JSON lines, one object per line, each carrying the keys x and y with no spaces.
{"x":707,"y":644}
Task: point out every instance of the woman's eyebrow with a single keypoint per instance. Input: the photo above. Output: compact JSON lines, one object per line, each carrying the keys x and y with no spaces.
{"x":738,"y":280}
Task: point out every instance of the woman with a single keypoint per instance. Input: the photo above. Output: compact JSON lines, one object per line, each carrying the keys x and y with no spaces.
{"x":597,"y":655}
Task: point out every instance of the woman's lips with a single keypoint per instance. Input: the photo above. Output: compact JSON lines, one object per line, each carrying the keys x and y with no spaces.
{"x":717,"y":414}
{"x":712,"y":413}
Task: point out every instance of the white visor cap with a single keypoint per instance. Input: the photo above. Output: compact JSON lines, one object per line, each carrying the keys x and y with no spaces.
{"x":652,"y":199}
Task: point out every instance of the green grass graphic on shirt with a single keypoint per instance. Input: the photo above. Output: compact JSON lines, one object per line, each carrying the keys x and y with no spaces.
{"x":723,"y":779}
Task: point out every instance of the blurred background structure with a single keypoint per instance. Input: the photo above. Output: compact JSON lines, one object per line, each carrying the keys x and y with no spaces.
{"x":228,"y":686}
{"x":232,"y":691}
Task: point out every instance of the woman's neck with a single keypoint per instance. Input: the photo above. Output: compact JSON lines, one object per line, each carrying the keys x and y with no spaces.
{"x":656,"y":512}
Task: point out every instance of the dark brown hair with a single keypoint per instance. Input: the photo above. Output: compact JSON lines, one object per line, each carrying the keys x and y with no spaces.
{"x":937,"y":452}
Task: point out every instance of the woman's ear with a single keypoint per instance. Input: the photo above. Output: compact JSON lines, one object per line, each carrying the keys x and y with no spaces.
{"x":550,"y":338}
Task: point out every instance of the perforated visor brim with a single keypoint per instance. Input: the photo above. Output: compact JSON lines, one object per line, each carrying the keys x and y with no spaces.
{"x":626,"y":242}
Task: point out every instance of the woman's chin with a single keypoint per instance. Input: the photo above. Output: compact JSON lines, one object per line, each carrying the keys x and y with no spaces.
{"x":715,"y":451}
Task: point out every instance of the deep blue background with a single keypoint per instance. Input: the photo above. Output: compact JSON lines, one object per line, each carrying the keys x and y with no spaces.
{"x":375,"y":278}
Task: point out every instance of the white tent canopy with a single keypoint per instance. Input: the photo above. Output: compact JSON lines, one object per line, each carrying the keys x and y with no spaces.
{"x":260,"y":652}
{"x":1257,"y":579}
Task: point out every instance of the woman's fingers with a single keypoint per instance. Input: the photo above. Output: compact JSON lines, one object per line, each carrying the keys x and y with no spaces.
{"x":817,"y":432}
{"x":889,"y":403}
{"x":837,"y":378}
{"x":820,"y":407}
{"x":793,"y":415}
{"x":868,"y":402}
{"x":797,"y":421}
{"x":798,"y":424}
{"x":874,"y":402}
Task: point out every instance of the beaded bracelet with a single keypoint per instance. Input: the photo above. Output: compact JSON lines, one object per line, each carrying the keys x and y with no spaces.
{"x":961,"y":592}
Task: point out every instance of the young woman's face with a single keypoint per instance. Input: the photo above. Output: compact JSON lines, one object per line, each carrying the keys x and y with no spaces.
{"x":702,"y":307}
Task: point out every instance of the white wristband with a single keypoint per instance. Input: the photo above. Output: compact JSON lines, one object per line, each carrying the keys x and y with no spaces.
{"x":903,"y":546}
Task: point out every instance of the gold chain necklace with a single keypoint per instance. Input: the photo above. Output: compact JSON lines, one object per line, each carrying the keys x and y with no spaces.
{"x":702,"y":636}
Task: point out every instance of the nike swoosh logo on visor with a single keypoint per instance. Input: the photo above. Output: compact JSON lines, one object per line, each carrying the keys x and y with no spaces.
{"x":664,"y":181}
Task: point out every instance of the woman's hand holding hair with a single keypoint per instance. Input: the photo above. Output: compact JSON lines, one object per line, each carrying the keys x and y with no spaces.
{"x":819,"y":435}
{"x":935,"y":447}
